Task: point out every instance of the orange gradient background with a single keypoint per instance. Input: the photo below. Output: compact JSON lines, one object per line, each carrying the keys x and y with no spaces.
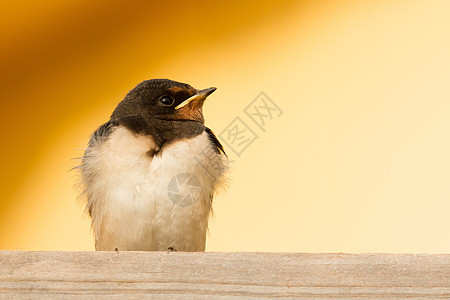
{"x":358,"y":162}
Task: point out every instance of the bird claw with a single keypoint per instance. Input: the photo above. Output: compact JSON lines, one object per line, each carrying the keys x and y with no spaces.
{"x":171,"y":249}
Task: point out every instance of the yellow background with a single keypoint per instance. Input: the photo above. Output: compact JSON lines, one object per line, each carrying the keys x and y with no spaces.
{"x":358,"y":162}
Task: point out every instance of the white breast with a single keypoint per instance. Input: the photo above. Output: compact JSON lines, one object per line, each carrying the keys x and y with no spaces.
{"x":140,"y":202}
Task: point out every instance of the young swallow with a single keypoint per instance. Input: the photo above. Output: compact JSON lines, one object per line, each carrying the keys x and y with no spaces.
{"x":150,"y":173}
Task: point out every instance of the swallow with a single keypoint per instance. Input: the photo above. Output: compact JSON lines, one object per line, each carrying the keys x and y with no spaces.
{"x":149,"y":174}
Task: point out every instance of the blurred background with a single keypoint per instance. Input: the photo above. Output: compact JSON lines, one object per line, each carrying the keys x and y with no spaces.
{"x":359,"y":160}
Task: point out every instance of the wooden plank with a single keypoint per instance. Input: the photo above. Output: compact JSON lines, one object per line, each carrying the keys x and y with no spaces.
{"x":222,"y":275}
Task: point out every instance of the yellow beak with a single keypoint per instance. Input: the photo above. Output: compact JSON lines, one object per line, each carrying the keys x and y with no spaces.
{"x":200,"y":96}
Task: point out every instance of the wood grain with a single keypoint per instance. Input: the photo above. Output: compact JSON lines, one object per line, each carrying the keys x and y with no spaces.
{"x":163,"y":275}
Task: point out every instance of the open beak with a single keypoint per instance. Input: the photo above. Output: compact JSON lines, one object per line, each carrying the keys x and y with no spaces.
{"x":197,"y":98}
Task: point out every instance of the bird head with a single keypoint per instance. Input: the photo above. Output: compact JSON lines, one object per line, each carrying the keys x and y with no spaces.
{"x":170,"y":107}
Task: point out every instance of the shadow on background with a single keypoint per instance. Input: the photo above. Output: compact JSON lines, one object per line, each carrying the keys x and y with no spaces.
{"x":60,"y":59}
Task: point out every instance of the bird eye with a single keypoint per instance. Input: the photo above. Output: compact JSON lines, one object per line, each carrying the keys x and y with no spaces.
{"x":166,"y":101}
